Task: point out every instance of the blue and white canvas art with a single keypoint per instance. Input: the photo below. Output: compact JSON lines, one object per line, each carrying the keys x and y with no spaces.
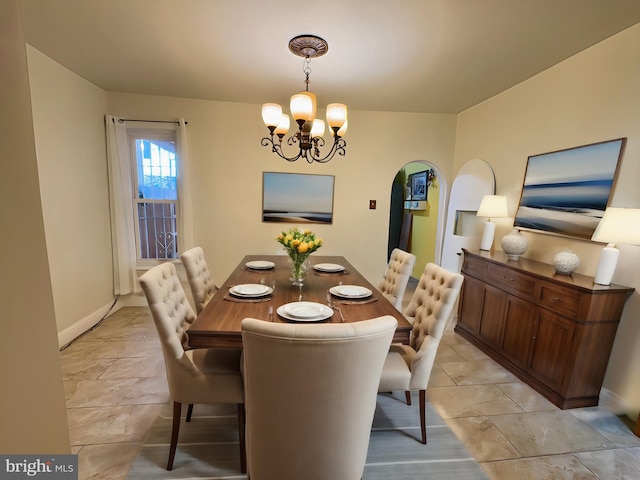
{"x":297,"y":198}
{"x":566,"y":192}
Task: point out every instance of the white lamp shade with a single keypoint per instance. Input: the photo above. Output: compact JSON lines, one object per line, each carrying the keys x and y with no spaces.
{"x":317,"y":129}
{"x":303,"y":106}
{"x":283,"y":126}
{"x":619,"y":225}
{"x":271,"y":114}
{"x":336,"y":114}
{"x":494,"y":206}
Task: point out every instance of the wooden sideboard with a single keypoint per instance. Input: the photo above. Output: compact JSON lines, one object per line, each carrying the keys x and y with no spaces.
{"x":554,"y":332}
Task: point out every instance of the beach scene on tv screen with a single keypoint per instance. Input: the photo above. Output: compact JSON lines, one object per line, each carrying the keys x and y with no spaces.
{"x":300,"y":198}
{"x":566,"y":192}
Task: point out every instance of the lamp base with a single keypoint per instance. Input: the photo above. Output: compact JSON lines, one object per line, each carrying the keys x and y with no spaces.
{"x":487,"y":236}
{"x":606,"y":265}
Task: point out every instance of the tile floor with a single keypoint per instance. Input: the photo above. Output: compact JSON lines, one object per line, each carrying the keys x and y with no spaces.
{"x":115,"y":387}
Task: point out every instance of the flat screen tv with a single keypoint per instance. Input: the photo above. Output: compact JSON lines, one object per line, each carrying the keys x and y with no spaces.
{"x":566,"y":192}
{"x":297,"y":198}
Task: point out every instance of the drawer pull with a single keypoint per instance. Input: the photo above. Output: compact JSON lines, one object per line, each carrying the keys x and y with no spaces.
{"x":555,"y":299}
{"x":508,"y":278}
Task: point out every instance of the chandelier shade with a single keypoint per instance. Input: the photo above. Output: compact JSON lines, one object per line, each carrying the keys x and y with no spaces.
{"x":283,"y":126}
{"x":271,"y":114}
{"x":336,"y":114}
{"x":303,"y":105}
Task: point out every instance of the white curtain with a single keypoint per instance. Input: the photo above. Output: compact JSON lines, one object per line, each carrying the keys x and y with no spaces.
{"x":185,"y":215}
{"x":123,"y":241}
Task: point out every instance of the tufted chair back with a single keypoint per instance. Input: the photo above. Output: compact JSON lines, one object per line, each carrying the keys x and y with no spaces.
{"x":194,"y":375}
{"x":199,"y":276}
{"x":408,"y":367}
{"x":311,"y":395}
{"x":431,"y":306}
{"x":172,"y":315}
{"x":396,"y":276}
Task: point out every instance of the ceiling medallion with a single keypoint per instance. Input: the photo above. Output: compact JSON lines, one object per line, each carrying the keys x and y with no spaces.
{"x":308,"y":46}
{"x":303,"y":109}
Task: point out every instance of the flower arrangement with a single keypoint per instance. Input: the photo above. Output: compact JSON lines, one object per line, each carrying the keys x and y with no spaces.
{"x":299,"y":244}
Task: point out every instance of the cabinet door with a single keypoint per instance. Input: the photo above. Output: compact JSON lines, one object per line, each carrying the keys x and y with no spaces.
{"x":553,"y":339}
{"x":470,"y":304}
{"x":518,"y":331}
{"x":492,"y":318}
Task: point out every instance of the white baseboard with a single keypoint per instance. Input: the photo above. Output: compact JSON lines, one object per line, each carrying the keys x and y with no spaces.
{"x":613,"y":402}
{"x":74,"y":331}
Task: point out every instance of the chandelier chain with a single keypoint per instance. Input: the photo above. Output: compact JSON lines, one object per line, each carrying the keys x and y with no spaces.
{"x":306,"y":68}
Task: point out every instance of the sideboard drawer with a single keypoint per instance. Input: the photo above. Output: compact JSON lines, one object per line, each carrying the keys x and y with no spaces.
{"x":474,"y":267}
{"x":512,"y":281}
{"x":564,"y":301}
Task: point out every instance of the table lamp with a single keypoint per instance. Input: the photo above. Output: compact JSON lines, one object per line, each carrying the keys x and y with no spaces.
{"x":618,"y":225}
{"x":491,"y":206}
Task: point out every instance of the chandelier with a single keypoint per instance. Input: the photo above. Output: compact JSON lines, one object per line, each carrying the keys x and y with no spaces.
{"x":308,"y":138}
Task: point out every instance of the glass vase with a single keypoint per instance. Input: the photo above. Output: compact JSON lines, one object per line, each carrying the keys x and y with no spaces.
{"x":298,"y":267}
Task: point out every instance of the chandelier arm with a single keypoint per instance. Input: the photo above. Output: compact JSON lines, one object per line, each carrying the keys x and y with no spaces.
{"x":339,"y":146}
{"x":277,"y":148}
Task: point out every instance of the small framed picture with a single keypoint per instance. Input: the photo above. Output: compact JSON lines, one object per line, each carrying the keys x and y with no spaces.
{"x":419,"y":186}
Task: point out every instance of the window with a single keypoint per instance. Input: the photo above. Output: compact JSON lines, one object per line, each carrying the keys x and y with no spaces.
{"x":154,"y":175}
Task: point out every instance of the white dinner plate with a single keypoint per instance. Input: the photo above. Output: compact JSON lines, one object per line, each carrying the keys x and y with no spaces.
{"x":305,"y":311}
{"x":250,"y":290}
{"x":350,"y":291}
{"x":260,"y":265}
{"x":328,"y":267}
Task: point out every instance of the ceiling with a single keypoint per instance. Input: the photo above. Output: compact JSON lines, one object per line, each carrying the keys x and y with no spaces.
{"x":437,"y":56}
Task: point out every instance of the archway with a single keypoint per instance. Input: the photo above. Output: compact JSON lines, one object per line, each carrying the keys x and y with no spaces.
{"x":423,"y":235}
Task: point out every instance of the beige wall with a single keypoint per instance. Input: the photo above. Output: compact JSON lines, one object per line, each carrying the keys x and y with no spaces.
{"x":34,"y":419}
{"x":591,"y":97}
{"x":228,"y":161}
{"x":68,"y":118}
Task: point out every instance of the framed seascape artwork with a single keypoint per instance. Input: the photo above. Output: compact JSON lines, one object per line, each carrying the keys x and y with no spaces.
{"x":297,"y":198}
{"x":566,"y":192}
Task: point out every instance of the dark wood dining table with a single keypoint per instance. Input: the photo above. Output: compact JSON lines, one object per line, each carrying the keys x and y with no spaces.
{"x":218,"y":325}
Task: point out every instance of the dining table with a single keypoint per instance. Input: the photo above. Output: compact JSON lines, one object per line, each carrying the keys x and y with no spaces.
{"x":219,"y":323}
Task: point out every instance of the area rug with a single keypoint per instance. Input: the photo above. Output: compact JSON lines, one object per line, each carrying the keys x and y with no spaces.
{"x":208,"y":446}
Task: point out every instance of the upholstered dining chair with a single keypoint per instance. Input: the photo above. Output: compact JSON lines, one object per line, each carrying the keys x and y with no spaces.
{"x":396,"y":276}
{"x":199,"y":276}
{"x":194,"y":376}
{"x":310,"y":393}
{"x":408,"y":367}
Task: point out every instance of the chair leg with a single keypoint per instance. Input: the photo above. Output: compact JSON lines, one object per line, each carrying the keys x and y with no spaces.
{"x":175,"y":429}
{"x":189,"y":412}
{"x":407,"y":395}
{"x":423,"y":415}
{"x":241,"y":437}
